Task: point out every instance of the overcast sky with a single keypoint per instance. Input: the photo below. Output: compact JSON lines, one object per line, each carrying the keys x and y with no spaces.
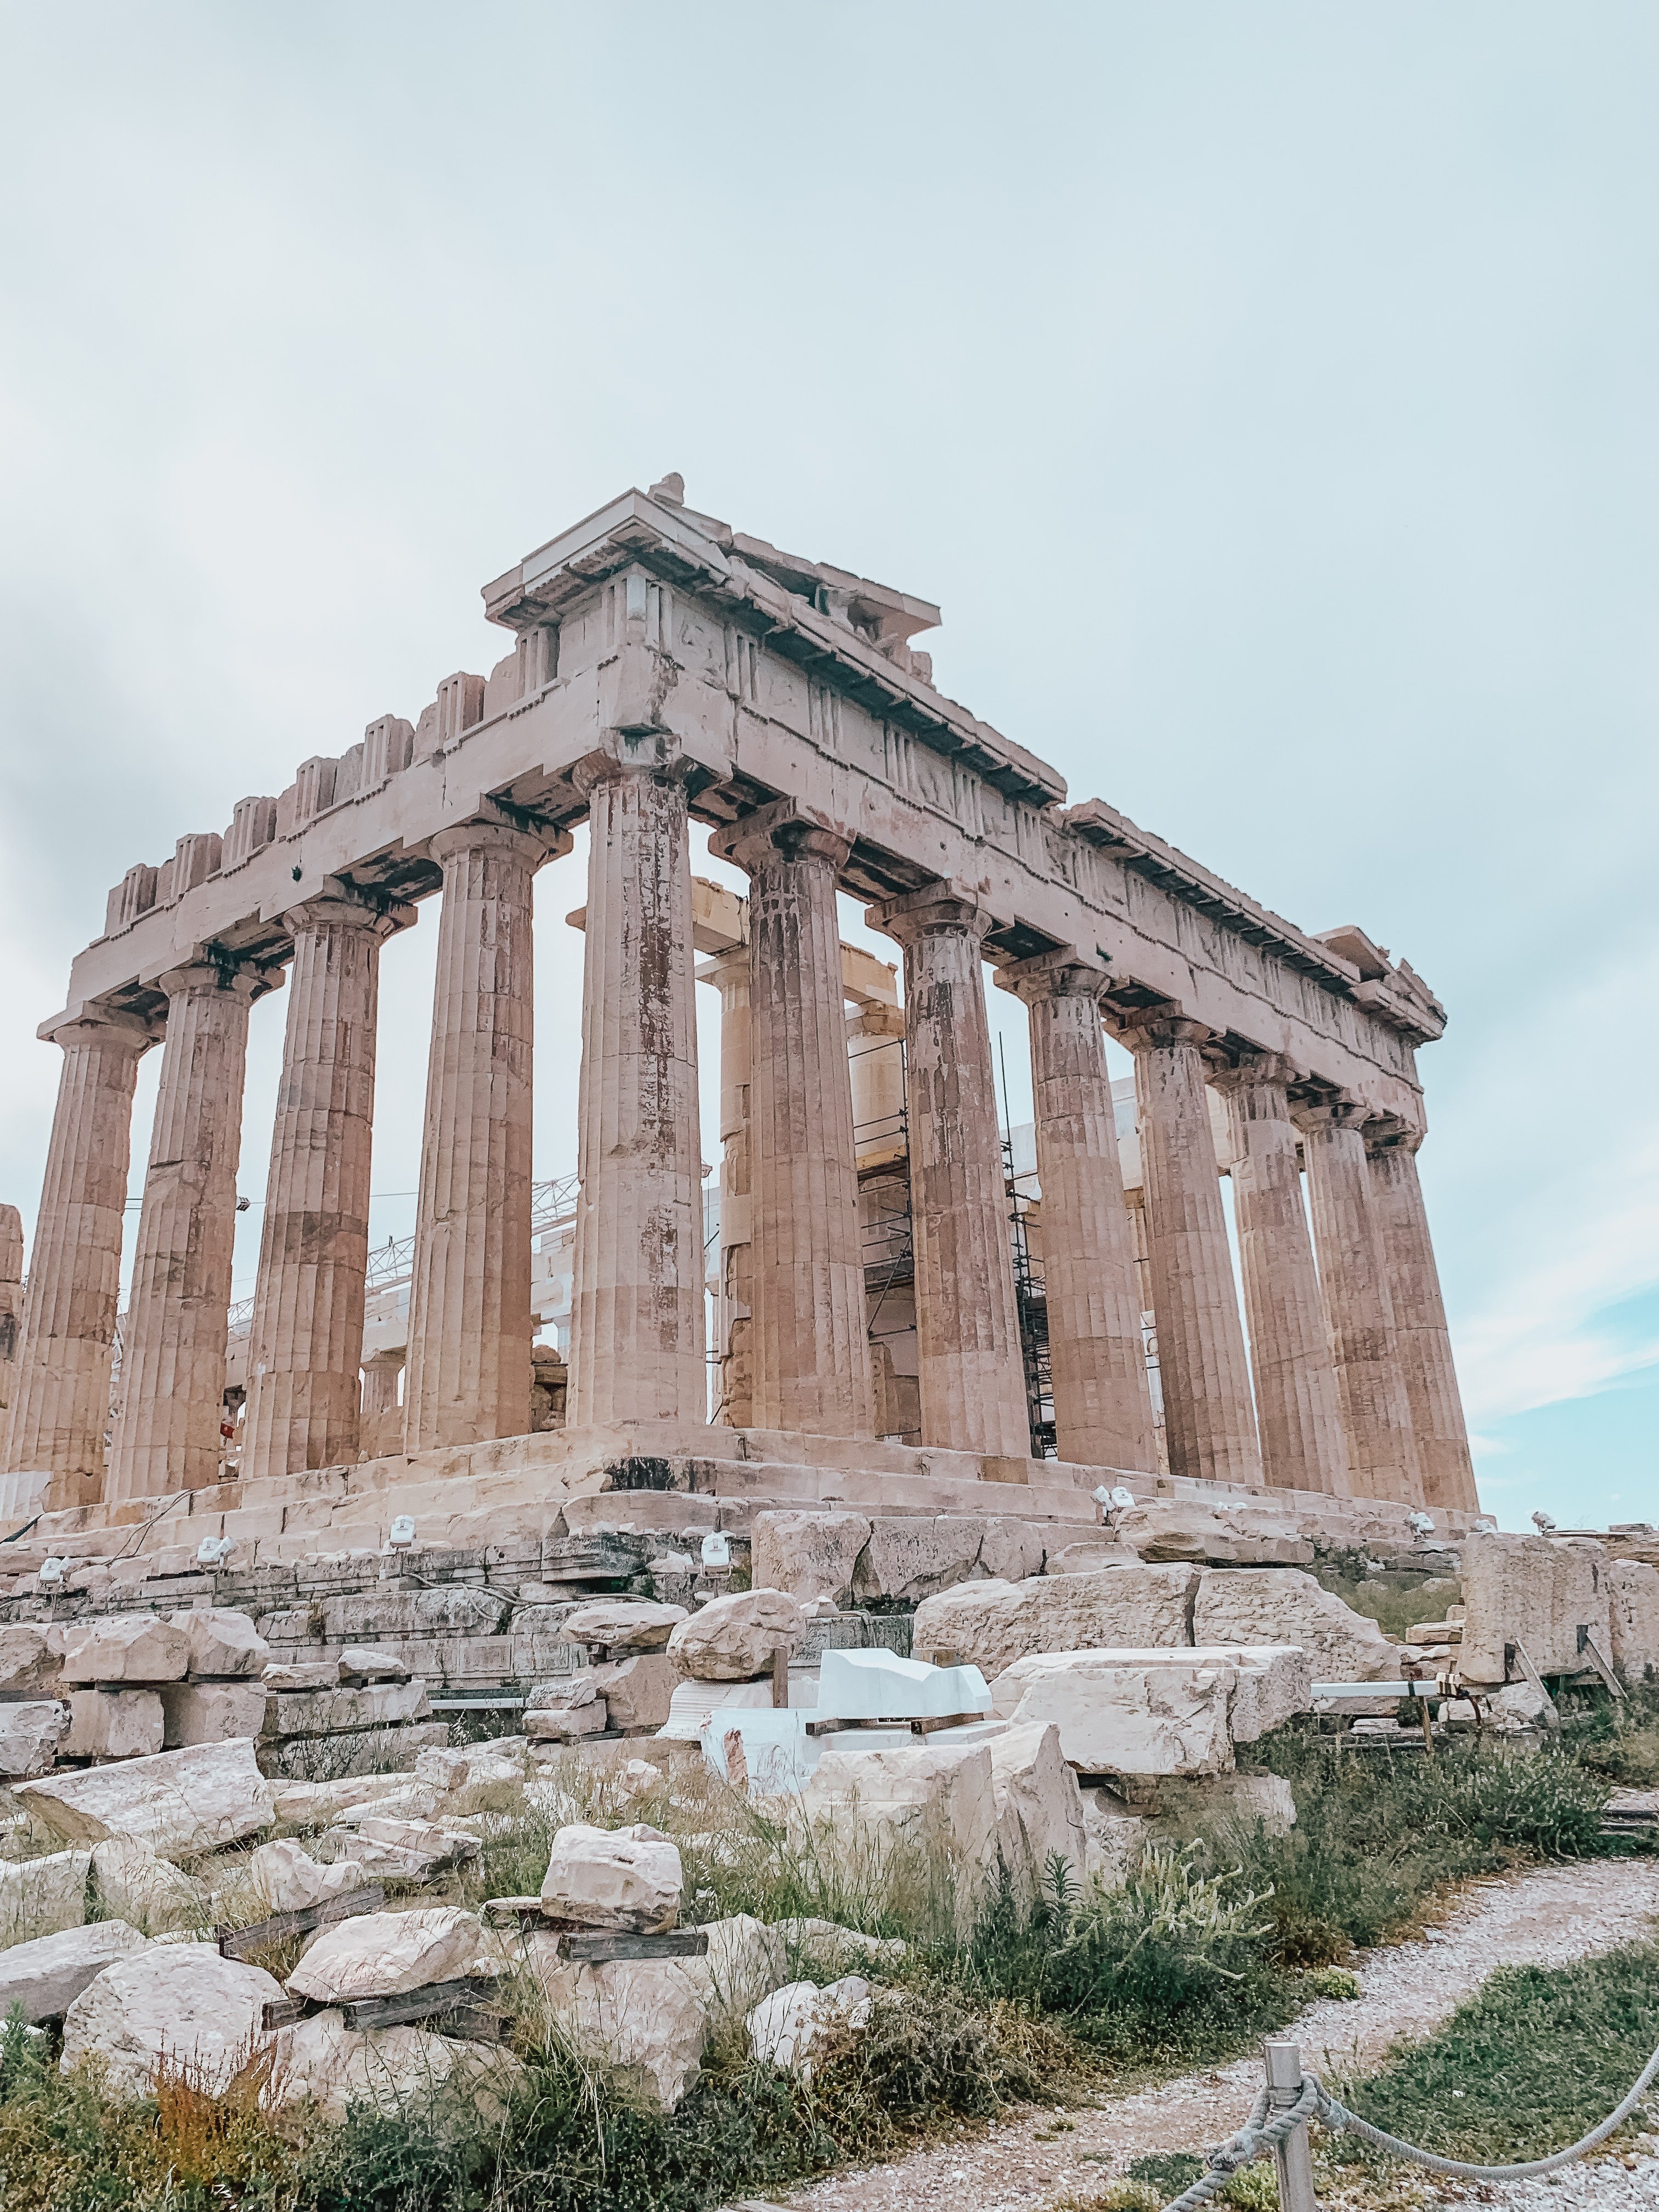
{"x":1265,"y":393}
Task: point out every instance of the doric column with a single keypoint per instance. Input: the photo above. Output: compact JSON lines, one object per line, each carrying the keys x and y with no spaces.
{"x":971,"y":1373}
{"x":467,"y":1375}
{"x":1382,"y":1460}
{"x":1298,"y":1409}
{"x":1098,"y":1362}
{"x":729,"y":974}
{"x":172,"y":1349}
{"x":636,"y":1316}
{"x":60,"y":1390}
{"x":809,"y":1340}
{"x":305,"y":1341}
{"x":1208,"y":1423}
{"x":1420,"y":1323}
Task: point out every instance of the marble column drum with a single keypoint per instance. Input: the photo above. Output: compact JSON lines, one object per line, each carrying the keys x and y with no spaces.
{"x":1382,"y":1459}
{"x":467,"y":1373}
{"x":1209,"y":1424}
{"x":1421,"y":1337}
{"x":1298,"y":1407}
{"x":1097,"y":1361}
{"x":305,"y":1340}
{"x":728,"y":972}
{"x":60,"y":1406}
{"x":637,"y":1320}
{"x":810,"y":1335}
{"x":172,"y":1386}
{"x":971,"y":1371}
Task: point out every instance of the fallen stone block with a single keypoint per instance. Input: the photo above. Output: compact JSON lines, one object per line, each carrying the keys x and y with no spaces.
{"x":125,"y":1646}
{"x":623,"y":1624}
{"x":211,"y":1712}
{"x":694,"y":1705}
{"x":1535,"y":1591}
{"x":177,"y":2006}
{"x":786,"y":2028}
{"x":31,"y":1662}
{"x":746,"y":1961}
{"x":223,"y":1643}
{"x":644,"y":2017}
{"x":629,"y":1879}
{"x":991,"y":1624}
{"x":45,"y":1976}
{"x":912,"y":1558}
{"x":284,"y":1877}
{"x":732,"y":1638}
{"x":330,"y":2069}
{"x":327,"y":1712}
{"x":1633,"y":1618}
{"x":567,"y":1723}
{"x":1038,"y":1807}
{"x":178,"y":1802}
{"x":928,"y":1797}
{"x":113,"y":1724}
{"x":637,"y":1691}
{"x":1184,"y":1807}
{"x":1279,"y":1605}
{"x":380,"y":1954}
{"x":131,"y":1883}
{"x":810,"y":1555}
{"x":362,"y":1662}
{"x":301,"y":1674}
{"x":1187,"y":1532}
{"x":1118,"y":1718}
{"x":1085,"y":1558}
{"x":31,"y":1737}
{"x":40,"y":1897}
{"x":880,"y":1686}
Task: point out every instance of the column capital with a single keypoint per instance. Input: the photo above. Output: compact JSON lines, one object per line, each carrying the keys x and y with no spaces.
{"x":1314,"y":1115}
{"x":1156,"y":1026}
{"x":340,"y":907}
{"x":785,"y":830}
{"x":214,"y":970}
{"x":493,"y":828}
{"x":634,"y":752}
{"x":943,"y":906}
{"x":1251,"y":1068}
{"x":1389,"y":1132}
{"x":1061,"y":973}
{"x":113,"y":1027}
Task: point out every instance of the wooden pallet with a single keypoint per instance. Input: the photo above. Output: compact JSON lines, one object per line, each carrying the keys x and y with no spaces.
{"x":242,"y":1943}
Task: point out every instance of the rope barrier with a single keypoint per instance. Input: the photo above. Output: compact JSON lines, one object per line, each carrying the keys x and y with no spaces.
{"x":1269,"y":2131}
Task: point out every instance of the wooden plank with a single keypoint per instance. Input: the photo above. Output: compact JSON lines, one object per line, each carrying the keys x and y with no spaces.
{"x":1610,"y":1680}
{"x":242,"y":1943}
{"x":407,"y":2005}
{"x":604,"y":1943}
{"x":284,"y":2012}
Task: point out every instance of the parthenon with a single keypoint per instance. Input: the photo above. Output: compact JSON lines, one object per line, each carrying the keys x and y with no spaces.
{"x":665,"y":666}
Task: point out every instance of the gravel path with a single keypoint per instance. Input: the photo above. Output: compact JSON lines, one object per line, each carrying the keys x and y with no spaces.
{"x":1548,"y":1919}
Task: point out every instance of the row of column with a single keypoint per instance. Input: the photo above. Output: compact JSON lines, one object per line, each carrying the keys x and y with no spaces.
{"x":1353,"y":1386}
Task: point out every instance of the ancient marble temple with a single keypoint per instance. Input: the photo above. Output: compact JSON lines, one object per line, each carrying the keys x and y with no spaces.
{"x":663,"y":666}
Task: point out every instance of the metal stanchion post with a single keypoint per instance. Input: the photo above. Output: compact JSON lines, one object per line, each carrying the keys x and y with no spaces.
{"x":1293,"y":2157}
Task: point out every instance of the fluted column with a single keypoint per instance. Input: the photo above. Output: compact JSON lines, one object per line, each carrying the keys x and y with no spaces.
{"x":61,"y":1389}
{"x":1098,"y":1362}
{"x":810,"y":1346}
{"x":729,"y":974}
{"x":1421,"y":1337}
{"x":971,"y":1372}
{"x":467,"y":1371}
{"x":1209,"y":1424}
{"x":305,"y":1341}
{"x":173,"y":1350}
{"x":1382,"y":1460}
{"x":1297,"y":1407}
{"x":637,"y":1318}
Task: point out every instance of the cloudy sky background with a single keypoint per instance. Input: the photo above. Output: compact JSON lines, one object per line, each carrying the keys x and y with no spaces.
{"x":1265,"y":393}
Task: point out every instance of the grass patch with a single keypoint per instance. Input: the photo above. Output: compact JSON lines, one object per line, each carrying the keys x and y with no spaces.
{"x":1528,"y":2065}
{"x":1397,"y":1603}
{"x":1619,"y":1741}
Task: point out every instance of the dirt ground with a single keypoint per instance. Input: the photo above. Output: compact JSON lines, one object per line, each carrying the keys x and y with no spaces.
{"x":1547,"y":1918}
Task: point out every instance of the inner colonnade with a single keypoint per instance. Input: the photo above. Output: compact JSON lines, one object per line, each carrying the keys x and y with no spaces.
{"x":635,"y":704}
